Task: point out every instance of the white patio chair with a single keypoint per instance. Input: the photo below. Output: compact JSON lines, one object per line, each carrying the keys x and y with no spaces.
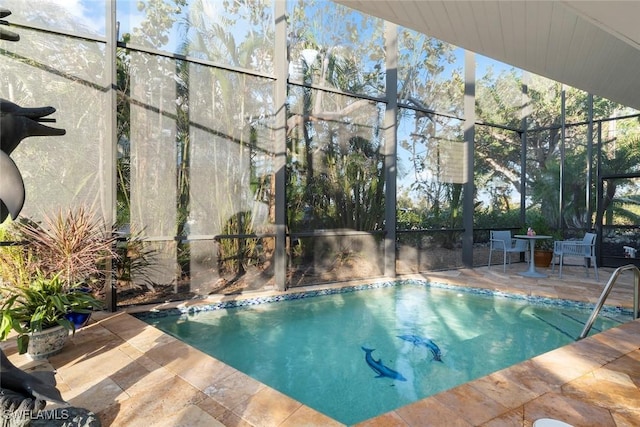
{"x":585,"y":249}
{"x":502,"y":241}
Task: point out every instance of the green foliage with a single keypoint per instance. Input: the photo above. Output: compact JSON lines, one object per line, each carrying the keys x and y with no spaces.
{"x":340,"y":185}
{"x":429,"y":80}
{"x":409,"y":219}
{"x":618,"y":199}
{"x":40,"y":305}
{"x":236,"y":254}
{"x":72,"y":244}
{"x":135,"y":261}
{"x":17,"y":265}
{"x":334,"y":166}
{"x":541,"y":225}
{"x":497,"y":164}
{"x":493,"y":219}
{"x":42,"y":275}
{"x":160,"y":18}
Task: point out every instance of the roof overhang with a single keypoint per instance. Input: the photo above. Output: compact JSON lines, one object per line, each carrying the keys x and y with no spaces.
{"x":590,"y":45}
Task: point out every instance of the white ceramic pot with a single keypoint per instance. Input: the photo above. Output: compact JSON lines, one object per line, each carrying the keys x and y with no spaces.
{"x":46,"y":343}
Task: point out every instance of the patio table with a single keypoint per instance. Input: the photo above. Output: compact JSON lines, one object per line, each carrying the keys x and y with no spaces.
{"x":532,"y":272}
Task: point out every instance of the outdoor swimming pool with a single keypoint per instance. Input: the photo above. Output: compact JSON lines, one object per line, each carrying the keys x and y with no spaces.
{"x":355,"y":355}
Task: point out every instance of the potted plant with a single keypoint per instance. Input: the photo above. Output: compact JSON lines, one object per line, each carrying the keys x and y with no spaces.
{"x":37,"y":312}
{"x":543,"y":254}
{"x":51,"y":275}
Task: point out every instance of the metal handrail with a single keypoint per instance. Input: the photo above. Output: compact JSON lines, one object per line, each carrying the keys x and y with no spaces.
{"x":605,"y":294}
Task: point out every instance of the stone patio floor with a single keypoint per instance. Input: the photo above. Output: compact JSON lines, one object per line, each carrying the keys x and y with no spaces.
{"x":131,"y":374}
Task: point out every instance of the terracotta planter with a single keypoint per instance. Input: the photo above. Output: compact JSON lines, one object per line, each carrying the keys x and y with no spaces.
{"x":542,"y":258}
{"x":46,"y":343}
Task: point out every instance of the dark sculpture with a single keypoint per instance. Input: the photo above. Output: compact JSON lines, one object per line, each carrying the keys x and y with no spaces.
{"x":22,"y":394}
{"x":4,"y":33}
{"x":17,"y":123}
{"x":11,"y":188}
{"x":19,"y":387}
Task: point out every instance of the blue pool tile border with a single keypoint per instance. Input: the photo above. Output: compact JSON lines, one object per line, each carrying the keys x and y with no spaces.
{"x":223,"y":305}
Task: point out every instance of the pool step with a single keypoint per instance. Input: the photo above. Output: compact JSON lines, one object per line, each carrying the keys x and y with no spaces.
{"x":569,"y":325}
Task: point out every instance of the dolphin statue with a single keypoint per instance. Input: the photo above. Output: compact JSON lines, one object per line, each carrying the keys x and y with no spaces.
{"x":11,"y":188}
{"x":426,"y":342}
{"x":16,"y":124}
{"x":379,"y":368}
{"x":19,"y":390}
{"x":4,"y":33}
{"x":25,"y":385}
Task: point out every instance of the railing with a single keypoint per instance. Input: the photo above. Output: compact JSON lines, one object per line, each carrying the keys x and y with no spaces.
{"x":607,"y":290}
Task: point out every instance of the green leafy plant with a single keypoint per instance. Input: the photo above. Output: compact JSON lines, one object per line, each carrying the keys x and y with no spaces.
{"x":41,"y":305}
{"x":50,"y":270}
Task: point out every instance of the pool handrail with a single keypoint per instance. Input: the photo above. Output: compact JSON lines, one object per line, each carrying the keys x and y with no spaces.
{"x":607,"y":290}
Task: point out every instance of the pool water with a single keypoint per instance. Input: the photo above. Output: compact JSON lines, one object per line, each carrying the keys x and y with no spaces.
{"x":356,"y":355}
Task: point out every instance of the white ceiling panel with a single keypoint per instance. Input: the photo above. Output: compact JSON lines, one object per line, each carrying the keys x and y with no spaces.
{"x":590,"y":45}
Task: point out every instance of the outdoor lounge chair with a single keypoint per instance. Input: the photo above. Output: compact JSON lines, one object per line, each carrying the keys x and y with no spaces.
{"x":585,"y":249}
{"x":502,"y":241}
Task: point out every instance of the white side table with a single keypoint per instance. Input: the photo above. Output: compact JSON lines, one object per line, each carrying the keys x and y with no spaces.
{"x":532,"y":272}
